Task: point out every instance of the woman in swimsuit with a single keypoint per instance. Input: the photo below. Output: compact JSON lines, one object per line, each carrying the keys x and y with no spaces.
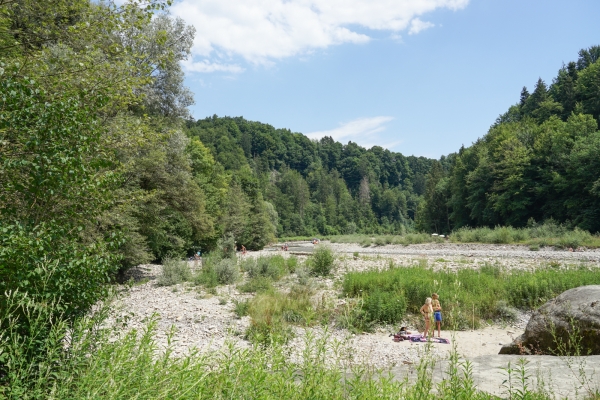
{"x":427,"y":312}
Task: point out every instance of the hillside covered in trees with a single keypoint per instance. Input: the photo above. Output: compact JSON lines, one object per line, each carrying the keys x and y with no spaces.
{"x":311,"y":187}
{"x":540,"y":160}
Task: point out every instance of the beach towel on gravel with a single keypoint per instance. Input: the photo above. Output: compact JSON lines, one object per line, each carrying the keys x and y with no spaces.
{"x":420,"y":339}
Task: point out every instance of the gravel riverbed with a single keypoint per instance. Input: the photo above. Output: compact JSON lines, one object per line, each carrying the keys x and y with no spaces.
{"x":206,"y":321}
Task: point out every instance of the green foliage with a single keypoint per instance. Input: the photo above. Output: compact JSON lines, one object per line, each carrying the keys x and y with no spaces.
{"x":207,"y":276}
{"x":226,"y":248}
{"x":173,"y":272}
{"x":227,"y":271}
{"x":241,"y":308}
{"x":256,"y":285}
{"x":53,"y":189}
{"x":467,"y":295}
{"x":321,"y":262}
{"x":536,"y":161}
{"x":272,"y":267}
{"x":273,"y":311}
{"x":384,"y":307}
{"x":313,"y":188}
{"x":138,"y":370}
{"x":547,"y":234}
{"x":291,"y":263}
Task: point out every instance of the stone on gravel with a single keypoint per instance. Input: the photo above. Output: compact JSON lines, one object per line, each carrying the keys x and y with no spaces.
{"x":575,"y":314}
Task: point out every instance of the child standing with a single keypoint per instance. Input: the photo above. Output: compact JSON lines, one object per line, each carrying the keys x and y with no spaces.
{"x":437,"y":312}
{"x":427,"y":312}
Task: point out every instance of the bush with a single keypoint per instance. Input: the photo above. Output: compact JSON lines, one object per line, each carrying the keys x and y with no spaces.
{"x":380,"y":241}
{"x":174,"y":272}
{"x":241,"y":308}
{"x":207,"y":275}
{"x":226,"y":271}
{"x":226,"y":247}
{"x":303,"y":274}
{"x":291,"y":263}
{"x":384,"y":307}
{"x":322,"y":261}
{"x":256,"y":285}
{"x":271,"y":267}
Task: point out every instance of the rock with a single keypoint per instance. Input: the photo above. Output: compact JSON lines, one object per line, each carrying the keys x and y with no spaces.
{"x":575,"y":314}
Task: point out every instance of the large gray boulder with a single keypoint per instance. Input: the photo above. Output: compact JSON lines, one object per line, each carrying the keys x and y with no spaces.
{"x":569,"y":324}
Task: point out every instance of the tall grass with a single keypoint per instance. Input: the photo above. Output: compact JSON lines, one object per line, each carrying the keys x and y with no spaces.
{"x":382,"y":240}
{"x":547,"y":234}
{"x":85,"y":360}
{"x":467,"y":296}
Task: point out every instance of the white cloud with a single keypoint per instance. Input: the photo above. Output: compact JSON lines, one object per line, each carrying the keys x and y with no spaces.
{"x":363,"y":131}
{"x":416,"y":26}
{"x":261,"y":31}
{"x":206,"y":66}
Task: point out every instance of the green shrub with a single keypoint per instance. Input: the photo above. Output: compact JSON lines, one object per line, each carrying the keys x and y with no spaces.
{"x":366,"y":242}
{"x":263,"y":333}
{"x":505,"y":311}
{"x":384,"y":307}
{"x":256,"y":285}
{"x":272,"y":312}
{"x":303,"y":275}
{"x":226,"y":247}
{"x":468,"y":295}
{"x":227,"y":271}
{"x":207,"y":276}
{"x":174,"y":272}
{"x":380,"y":241}
{"x":271,"y":267}
{"x":241,"y":308}
{"x":547,"y":234}
{"x":322,"y":261}
{"x":291,"y":263}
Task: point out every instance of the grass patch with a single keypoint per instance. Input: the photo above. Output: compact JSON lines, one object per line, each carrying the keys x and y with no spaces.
{"x":273,"y":267}
{"x":272,"y":313}
{"x":256,"y":285}
{"x":535,"y":235}
{"x":468,"y":296}
{"x":301,"y":238}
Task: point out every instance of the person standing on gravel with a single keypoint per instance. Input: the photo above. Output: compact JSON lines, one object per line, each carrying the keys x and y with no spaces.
{"x":427,"y":312}
{"x":437,"y":312}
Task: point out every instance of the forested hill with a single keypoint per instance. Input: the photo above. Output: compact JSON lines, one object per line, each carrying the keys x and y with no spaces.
{"x":316,"y":187}
{"x":540,"y":160}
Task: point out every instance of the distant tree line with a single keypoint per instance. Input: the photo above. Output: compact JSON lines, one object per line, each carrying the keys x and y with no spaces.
{"x":311,"y":187}
{"x":540,"y":160}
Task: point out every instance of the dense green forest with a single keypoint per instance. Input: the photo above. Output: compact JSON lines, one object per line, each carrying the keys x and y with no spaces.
{"x":539,"y":161}
{"x":312,"y":187}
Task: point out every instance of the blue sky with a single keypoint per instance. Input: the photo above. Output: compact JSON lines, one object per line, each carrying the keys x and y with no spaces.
{"x":420,"y":77}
